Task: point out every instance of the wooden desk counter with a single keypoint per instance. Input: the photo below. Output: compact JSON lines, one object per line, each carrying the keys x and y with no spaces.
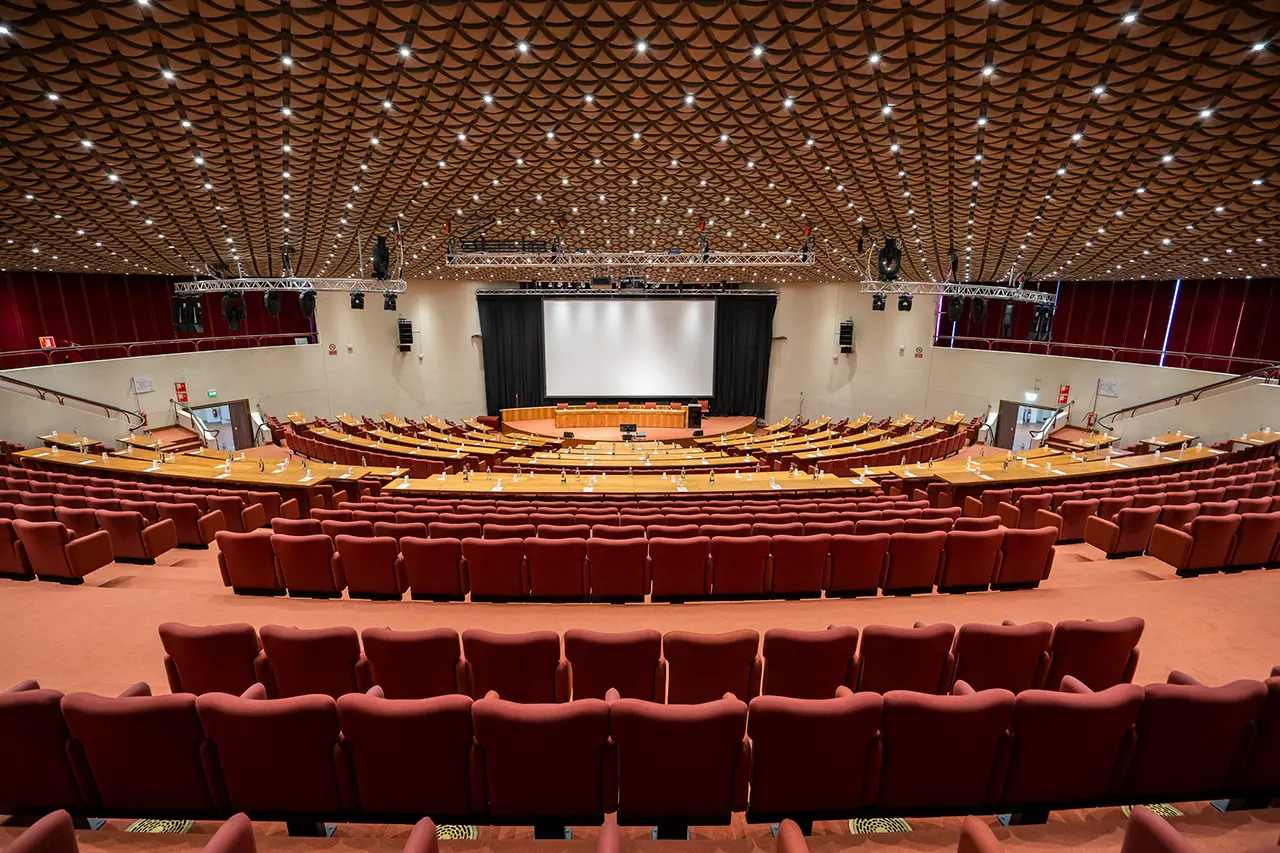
{"x":903,"y":421}
{"x":1064,"y":467}
{"x":72,"y":441}
{"x":1262,"y":438}
{"x":612,"y":417}
{"x":639,"y":484}
{"x":425,"y":450}
{"x":613,"y":463}
{"x":298,"y":419}
{"x":874,"y":446}
{"x":466,"y":446}
{"x":476,"y":425}
{"x":953,"y":419}
{"x":1169,"y":441}
{"x":1088,"y":441}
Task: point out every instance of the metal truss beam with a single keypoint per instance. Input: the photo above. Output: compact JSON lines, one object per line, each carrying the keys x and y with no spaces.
{"x":616,"y":260}
{"x":984,"y":291}
{"x":291,"y":284}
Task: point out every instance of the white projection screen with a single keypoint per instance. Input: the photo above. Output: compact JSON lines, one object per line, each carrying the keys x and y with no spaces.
{"x":659,"y":349}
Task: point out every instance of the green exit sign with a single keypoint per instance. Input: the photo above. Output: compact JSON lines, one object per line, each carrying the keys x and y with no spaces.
{"x":212,"y":393}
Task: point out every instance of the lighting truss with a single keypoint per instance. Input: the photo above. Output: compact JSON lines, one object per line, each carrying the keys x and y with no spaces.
{"x":292,"y":284}
{"x":615,"y":260}
{"x":982,"y":291}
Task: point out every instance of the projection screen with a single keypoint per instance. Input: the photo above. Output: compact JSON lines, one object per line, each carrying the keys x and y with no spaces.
{"x":659,"y":349}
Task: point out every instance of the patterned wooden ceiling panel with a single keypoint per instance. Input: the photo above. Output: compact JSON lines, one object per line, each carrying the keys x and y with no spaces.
{"x":1109,"y":140}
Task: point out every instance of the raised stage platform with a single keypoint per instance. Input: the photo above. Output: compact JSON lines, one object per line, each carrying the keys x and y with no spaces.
{"x":547,"y":427}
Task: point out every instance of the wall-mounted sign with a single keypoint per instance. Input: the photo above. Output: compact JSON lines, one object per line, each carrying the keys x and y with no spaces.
{"x":47,"y":342}
{"x":144,"y":384}
{"x":333,"y":349}
{"x":180,"y":392}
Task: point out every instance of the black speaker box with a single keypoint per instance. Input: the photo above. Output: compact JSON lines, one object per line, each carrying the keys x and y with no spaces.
{"x":568,"y":434}
{"x":697,"y":433}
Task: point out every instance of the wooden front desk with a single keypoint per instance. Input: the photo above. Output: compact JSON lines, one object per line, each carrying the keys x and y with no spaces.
{"x":612,"y":417}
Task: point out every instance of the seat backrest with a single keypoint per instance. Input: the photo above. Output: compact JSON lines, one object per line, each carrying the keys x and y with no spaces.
{"x":520,"y":667}
{"x":209,"y":659}
{"x":413,"y":664}
{"x":808,"y":664}
{"x":1211,"y":539}
{"x":1256,"y":539}
{"x":33,"y":751}
{"x":333,"y":529}
{"x":1100,"y":654}
{"x":276,"y":755}
{"x":1012,"y":657}
{"x":704,"y":667}
{"x":388,"y":741}
{"x":962,"y":740}
{"x":630,"y":662}
{"x":680,"y":763}
{"x":299,"y":661}
{"x":546,"y":762}
{"x":296,"y":526}
{"x":143,"y":752}
{"x":918,"y":658}
{"x":45,"y":545}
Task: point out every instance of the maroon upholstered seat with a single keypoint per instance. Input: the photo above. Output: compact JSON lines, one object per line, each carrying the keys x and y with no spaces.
{"x":296,"y":526}
{"x":307,"y":566}
{"x":808,"y":664}
{"x":1255,"y":541}
{"x":412,"y":664}
{"x":277,"y":755}
{"x":557,"y":567}
{"x":53,"y":833}
{"x":704,"y":667}
{"x":298,"y":661}
{"x":1012,"y":657}
{"x":209,"y":659}
{"x":195,"y":527}
{"x":82,"y":522}
{"x":986,"y":522}
{"x":1099,"y":654}
{"x":799,"y":564}
{"x":680,"y":568}
{"x":810,"y":757}
{"x":885,"y":525}
{"x":238,"y":517}
{"x":916,"y":658}
{"x":549,"y":763}
{"x":987,"y":503}
{"x":369,"y":566}
{"x":496,"y":568}
{"x":619,"y":568}
{"x":680,"y":763}
{"x":454,"y":530}
{"x":739,"y":565}
{"x":33,"y":751}
{"x":410,"y":756}
{"x":10,"y":566}
{"x":915,"y":562}
{"x":1125,"y":534}
{"x":248,"y":563}
{"x":564,"y":531}
{"x":970,"y":560}
{"x":433,"y":568}
{"x":519,"y":667}
{"x":1026,"y":558}
{"x":614,"y":531}
{"x":1261,"y":776}
{"x":1202,"y":547}
{"x":47,"y":550}
{"x":629,"y":662}
{"x":134,"y":540}
{"x":858,"y":564}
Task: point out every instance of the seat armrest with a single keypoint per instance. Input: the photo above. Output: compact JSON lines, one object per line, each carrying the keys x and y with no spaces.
{"x":962,"y":688}
{"x":972,"y":507}
{"x":210,"y":524}
{"x":1009,"y":514}
{"x":253,"y":517}
{"x":160,"y":537}
{"x":1101,"y":533}
{"x":140,"y":688}
{"x":87,"y":553}
{"x":257,"y":690}
{"x":1179,"y":677}
{"x":289,"y":509}
{"x":1170,"y":546}
{"x":1071,"y":684}
{"x":1049,"y":518}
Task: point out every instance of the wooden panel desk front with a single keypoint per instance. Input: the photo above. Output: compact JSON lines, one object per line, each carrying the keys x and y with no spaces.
{"x":612,"y":417}
{"x":697,"y":483}
{"x":72,"y":441}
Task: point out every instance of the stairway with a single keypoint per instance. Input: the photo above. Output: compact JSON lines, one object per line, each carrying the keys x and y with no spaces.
{"x":176,"y":439}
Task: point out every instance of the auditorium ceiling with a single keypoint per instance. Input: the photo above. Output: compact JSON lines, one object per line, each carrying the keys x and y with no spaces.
{"x":1109,"y":140}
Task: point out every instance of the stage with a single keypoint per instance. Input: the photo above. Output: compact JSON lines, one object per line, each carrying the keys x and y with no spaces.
{"x":711,"y":427}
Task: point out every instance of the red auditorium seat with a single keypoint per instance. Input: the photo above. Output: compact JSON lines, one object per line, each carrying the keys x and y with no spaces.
{"x":1023,"y":513}
{"x":195,"y":528}
{"x":1098,"y":654}
{"x":496,"y":568}
{"x":298,"y":661}
{"x":296,"y":526}
{"x":988,"y":503}
{"x":411,"y":664}
{"x":83,"y":522}
{"x":564,"y":531}
{"x":1261,"y":776}
{"x":630,"y":663}
{"x":209,"y":659}
{"x":885,"y":525}
{"x":454,"y":530}
{"x":799,"y":565}
{"x":858,"y":564}
{"x":810,"y":757}
{"x":334,"y":529}
{"x":1026,"y":558}
{"x":47,"y":550}
{"x":546,"y":764}
{"x":1125,"y":535}
{"x":277,"y":755}
{"x":680,"y":568}
{"x":918,"y":658}
{"x":557,"y":568}
{"x":808,"y":664}
{"x":1178,"y":516}
{"x":943,"y":749}
{"x":142,"y":752}
{"x":433,"y":569}
{"x":238,"y":517}
{"x":247,"y":562}
{"x":704,"y":667}
{"x":133,"y":540}
{"x":680,"y":764}
{"x":53,"y":833}
{"x":739,"y":565}
{"x":1202,"y":547}
{"x":1256,"y":541}
{"x":614,"y":531}
{"x":1074,"y":516}
{"x":33,"y":734}
{"x":619,"y":568}
{"x":369,"y":566}
{"x":1009,"y":656}
{"x":519,"y":667}
{"x":307,"y":566}
{"x":915,"y":562}
{"x":988,"y":522}
{"x":509,"y":531}
{"x":970,"y":560}
{"x":390,"y":741}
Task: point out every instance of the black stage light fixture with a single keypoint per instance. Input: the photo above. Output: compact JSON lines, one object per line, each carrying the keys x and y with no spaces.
{"x":271,"y":301}
{"x":388,"y":302}
{"x":862,"y":235}
{"x":877,"y":302}
{"x":904,"y":302}
{"x":955,"y":308}
{"x":978,"y":309}
{"x":233,"y":309}
{"x":1006,"y":327}
{"x":307,"y":303}
{"x":357,"y":301}
{"x":381,"y":260}
{"x":953,"y":257}
{"x":889,"y":260}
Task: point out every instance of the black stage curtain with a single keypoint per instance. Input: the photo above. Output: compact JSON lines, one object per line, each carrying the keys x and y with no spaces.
{"x":514,"y":358}
{"x":744,"y":338}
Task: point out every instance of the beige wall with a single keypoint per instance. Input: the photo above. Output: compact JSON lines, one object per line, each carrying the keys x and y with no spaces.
{"x":444,"y":373}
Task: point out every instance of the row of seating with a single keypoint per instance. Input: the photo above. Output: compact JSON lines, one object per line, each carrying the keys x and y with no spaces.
{"x":443,"y":561}
{"x":1212,"y":543}
{"x":324,"y":450}
{"x":679,"y":667}
{"x":494,"y":761}
{"x":850,"y":461}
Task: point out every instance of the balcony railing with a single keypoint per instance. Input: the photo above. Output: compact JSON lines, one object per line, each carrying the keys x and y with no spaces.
{"x":98,"y":352}
{"x":1187,"y":360}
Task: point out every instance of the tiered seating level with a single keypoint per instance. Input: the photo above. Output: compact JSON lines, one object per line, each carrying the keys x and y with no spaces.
{"x":1086,"y":741}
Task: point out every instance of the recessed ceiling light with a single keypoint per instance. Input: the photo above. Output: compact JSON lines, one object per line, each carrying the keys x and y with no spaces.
{"x":635,"y":135}
{"x":522,"y":46}
{"x":1076,"y":137}
{"x":166,"y":74}
{"x":53,"y":96}
{"x":1257,"y":48}
{"x":286,"y":148}
{"x":688,"y":99}
{"x":874,"y":58}
{"x":1257,"y":182}
{"x":642,"y":46}
{"x":487,"y":98}
{"x":1168,"y":158}
{"x":440,"y":164}
{"x":1219,"y":209}
{"x":112,"y":177}
{"x":462,"y":137}
{"x":87,"y":144}
{"x":373,"y":140}
{"x":988,"y":71}
{"x":982,"y":121}
{"x":404,"y":51}
{"x":757,"y":51}
{"x":589,"y":98}
{"x":1130,"y":18}
{"x":894,"y":148}
{"x":286,"y":61}
{"x":1206,"y":113}
{"x":286,"y":112}
{"x":186,"y":125}
{"x":551,"y":134}
{"x":1140,"y":190}
{"x":1099,"y":89}
{"x":788,"y":102}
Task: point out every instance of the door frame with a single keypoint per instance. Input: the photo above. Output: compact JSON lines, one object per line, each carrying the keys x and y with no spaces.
{"x":242,"y":433}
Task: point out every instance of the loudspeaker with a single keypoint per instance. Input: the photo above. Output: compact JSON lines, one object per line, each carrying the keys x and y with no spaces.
{"x":307,"y":303}
{"x":601,"y":281}
{"x":695,"y":415}
{"x":188,"y":315}
{"x":955,"y":308}
{"x":568,"y":434}
{"x":404,"y":329}
{"x":846,"y":336}
{"x":233,"y":309}
{"x":697,"y":433}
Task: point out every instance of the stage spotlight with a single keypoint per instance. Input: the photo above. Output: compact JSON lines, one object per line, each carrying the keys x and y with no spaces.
{"x":307,"y":303}
{"x":889,"y":260}
{"x":271,"y":300}
{"x":877,"y":302}
{"x":978,"y":310}
{"x":904,"y":302}
{"x":357,"y":301}
{"x":233,"y":309}
{"x":381,"y":260}
{"x":955,"y":308}
{"x":388,"y":302}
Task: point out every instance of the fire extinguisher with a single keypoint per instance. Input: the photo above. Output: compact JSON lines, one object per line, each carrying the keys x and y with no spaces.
{"x":1091,"y":418}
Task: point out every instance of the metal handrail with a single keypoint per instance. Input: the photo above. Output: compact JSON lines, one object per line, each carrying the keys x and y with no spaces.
{"x":200,"y":429}
{"x":62,"y":398}
{"x":136,"y":348}
{"x":1269,"y":373}
{"x":1171,"y":358}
